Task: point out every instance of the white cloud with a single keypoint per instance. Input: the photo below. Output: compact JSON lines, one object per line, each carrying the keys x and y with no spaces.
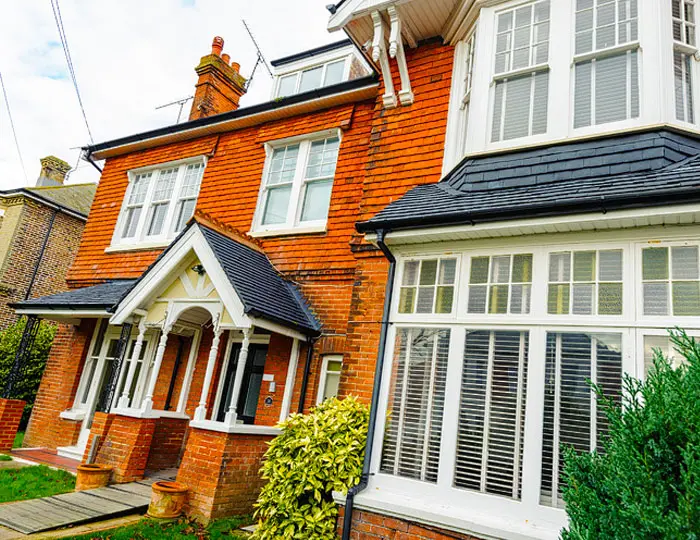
{"x":129,"y":56}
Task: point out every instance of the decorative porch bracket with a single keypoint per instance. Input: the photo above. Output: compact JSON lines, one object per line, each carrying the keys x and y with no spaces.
{"x":396,"y":51}
{"x":397,"y":33}
{"x":379,"y":54}
{"x":22,"y":355}
{"x":104,"y":403}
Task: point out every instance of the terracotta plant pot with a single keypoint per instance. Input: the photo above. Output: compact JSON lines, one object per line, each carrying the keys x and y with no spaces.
{"x":167,"y":500}
{"x":92,"y":476}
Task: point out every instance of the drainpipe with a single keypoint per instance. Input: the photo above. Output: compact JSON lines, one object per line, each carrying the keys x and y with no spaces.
{"x":307,"y":371}
{"x":41,"y":255}
{"x":364,"y":478}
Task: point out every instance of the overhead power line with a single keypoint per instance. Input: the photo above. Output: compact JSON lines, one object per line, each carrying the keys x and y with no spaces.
{"x":14,"y":131}
{"x":71,"y":70}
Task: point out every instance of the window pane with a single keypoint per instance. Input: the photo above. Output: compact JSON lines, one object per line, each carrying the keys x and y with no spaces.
{"x":610,"y":299}
{"x":165,"y":185}
{"x":287,"y":86}
{"x":515,"y":114}
{"x":492,"y":413}
{"x":184,"y":213}
{"x":520,"y":299}
{"x":655,"y":263}
{"x":584,"y":266}
{"x":416,"y":404}
{"x":571,"y":416}
{"x":139,"y":188}
{"x":410,"y":273}
{"x":479,"y":270}
{"x":611,"y":89}
{"x":655,"y":298}
{"x":560,"y":266}
{"x":192,"y":180}
{"x":558,"y":299}
{"x":477,"y":299}
{"x":610,"y":265}
{"x":684,"y":262}
{"x":311,"y":79}
{"x":498,"y":299}
{"x":332,"y":384}
{"x":158,"y":214}
{"x":500,"y":269}
{"x":407,"y":298}
{"x":686,"y":298}
{"x":276,"y":205}
{"x":522,"y":269}
{"x":447,"y":271}
{"x":283,"y":165}
{"x":426,"y":297}
{"x":445,"y":297}
{"x":583,"y":299}
{"x":428,"y":272}
{"x":316,"y":200}
{"x":131,"y":221}
{"x":334,"y":72}
{"x":683,"y":80}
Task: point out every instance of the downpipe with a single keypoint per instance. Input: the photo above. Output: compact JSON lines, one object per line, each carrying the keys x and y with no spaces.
{"x":364,"y":477}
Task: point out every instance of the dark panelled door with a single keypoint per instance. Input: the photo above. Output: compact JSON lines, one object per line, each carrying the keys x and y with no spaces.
{"x":250,"y":386}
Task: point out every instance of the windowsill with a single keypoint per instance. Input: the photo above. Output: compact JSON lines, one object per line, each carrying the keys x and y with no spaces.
{"x":141,"y":246}
{"x":138,"y":413}
{"x":454,"y":518}
{"x":71,"y":414}
{"x":243,"y":429}
{"x":610,"y":51}
{"x":314,"y":229}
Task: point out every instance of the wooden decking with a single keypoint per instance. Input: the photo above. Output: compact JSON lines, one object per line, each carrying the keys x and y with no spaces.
{"x":44,"y":456}
{"x":69,"y":509}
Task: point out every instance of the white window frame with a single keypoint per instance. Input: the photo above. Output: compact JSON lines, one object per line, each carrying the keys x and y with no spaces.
{"x":347,"y":59}
{"x":689,"y":52}
{"x":141,"y":240}
{"x":442,"y":503}
{"x":323,"y":378}
{"x":293,"y":223}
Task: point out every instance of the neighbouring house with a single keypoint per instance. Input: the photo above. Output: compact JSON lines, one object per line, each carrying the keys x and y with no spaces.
{"x":462,"y":220}
{"x":40,"y":231}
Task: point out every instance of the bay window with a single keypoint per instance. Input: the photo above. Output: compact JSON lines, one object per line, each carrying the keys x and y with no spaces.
{"x":479,"y":399}
{"x":521,"y":72}
{"x":158,"y":203}
{"x":606,"y":62}
{"x":297,"y":184}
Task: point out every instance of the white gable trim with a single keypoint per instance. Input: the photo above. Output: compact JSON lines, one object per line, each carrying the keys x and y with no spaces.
{"x":169,"y":267}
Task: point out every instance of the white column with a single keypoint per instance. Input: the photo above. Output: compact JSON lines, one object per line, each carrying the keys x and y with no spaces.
{"x":200,"y":412}
{"x":290,"y":380}
{"x":123,"y":402}
{"x":231,"y":415}
{"x":147,"y":405}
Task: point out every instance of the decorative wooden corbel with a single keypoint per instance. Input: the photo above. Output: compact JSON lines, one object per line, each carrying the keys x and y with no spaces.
{"x":396,"y":51}
{"x":379,"y":54}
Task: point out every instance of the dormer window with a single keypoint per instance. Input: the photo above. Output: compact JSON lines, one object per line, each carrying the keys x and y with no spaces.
{"x":312,"y":78}
{"x":521,"y":72}
{"x":159,"y":202}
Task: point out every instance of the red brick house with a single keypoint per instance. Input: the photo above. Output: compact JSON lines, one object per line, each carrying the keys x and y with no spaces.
{"x":462,"y":239}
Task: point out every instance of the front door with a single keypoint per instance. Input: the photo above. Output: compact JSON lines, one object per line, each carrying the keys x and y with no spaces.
{"x":250,"y":386}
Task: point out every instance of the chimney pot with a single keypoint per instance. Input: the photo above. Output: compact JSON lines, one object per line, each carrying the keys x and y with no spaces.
{"x":235,"y":66}
{"x":217,"y":45}
{"x":226,"y":58}
{"x":53,"y":171}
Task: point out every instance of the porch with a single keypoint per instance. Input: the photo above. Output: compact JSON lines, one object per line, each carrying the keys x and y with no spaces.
{"x":193,"y":368}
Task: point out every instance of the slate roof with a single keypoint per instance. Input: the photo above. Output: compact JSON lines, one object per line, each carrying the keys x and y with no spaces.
{"x":641,"y":169}
{"x":104,"y":296}
{"x":263,"y":291}
{"x":76,"y":197}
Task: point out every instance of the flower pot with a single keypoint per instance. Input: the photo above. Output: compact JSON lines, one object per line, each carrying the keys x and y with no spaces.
{"x":167,"y":500}
{"x":92,"y":476}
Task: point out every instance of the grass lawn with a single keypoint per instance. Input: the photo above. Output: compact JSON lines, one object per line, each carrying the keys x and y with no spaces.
{"x":32,"y":482}
{"x":18,"y":439}
{"x":5,"y":457}
{"x":184,"y":528}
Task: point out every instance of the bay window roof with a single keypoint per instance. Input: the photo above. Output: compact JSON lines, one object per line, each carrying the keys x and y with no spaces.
{"x":641,"y":169}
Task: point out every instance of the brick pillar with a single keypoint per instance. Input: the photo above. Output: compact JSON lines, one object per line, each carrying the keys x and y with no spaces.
{"x":222,"y":472}
{"x":167,"y":443}
{"x":10,"y":415}
{"x":125,"y":444}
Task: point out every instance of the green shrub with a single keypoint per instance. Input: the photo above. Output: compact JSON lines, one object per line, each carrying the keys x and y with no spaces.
{"x":647,"y":483}
{"x":26,"y":388}
{"x":314,"y":455}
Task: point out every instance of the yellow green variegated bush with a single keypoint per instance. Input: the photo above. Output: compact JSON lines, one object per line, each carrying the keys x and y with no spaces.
{"x":315,"y":455}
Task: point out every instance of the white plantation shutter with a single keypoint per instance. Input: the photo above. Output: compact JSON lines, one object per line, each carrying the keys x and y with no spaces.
{"x":571,"y":414}
{"x":417,"y":401}
{"x":492,"y":412}
{"x":683,"y":81}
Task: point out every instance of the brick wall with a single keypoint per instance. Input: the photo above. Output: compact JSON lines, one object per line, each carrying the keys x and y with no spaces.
{"x":368,"y":525}
{"x":221,"y":472}
{"x":10,"y":416}
{"x":58,"y":387}
{"x":31,"y":226}
{"x":167,"y":444}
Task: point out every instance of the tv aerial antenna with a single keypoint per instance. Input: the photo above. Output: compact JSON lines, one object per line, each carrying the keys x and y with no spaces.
{"x":180,"y":102}
{"x":260,"y":59}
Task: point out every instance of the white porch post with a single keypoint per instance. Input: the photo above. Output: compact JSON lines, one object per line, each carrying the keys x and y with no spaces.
{"x":123,"y":402}
{"x":147,"y":405}
{"x":231,"y":415}
{"x":200,"y":412}
{"x":289,"y":382}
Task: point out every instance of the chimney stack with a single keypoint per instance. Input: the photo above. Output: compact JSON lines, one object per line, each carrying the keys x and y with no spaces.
{"x":53,"y":171}
{"x":220,"y":86}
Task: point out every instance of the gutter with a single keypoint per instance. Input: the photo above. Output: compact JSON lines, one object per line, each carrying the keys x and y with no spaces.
{"x":378,"y":371}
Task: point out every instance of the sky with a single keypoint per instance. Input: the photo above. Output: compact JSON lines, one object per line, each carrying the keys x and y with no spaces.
{"x":129,"y":56}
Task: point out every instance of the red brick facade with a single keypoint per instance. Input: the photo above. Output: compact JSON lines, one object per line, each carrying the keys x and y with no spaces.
{"x":383,"y":153}
{"x":10,"y":415}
